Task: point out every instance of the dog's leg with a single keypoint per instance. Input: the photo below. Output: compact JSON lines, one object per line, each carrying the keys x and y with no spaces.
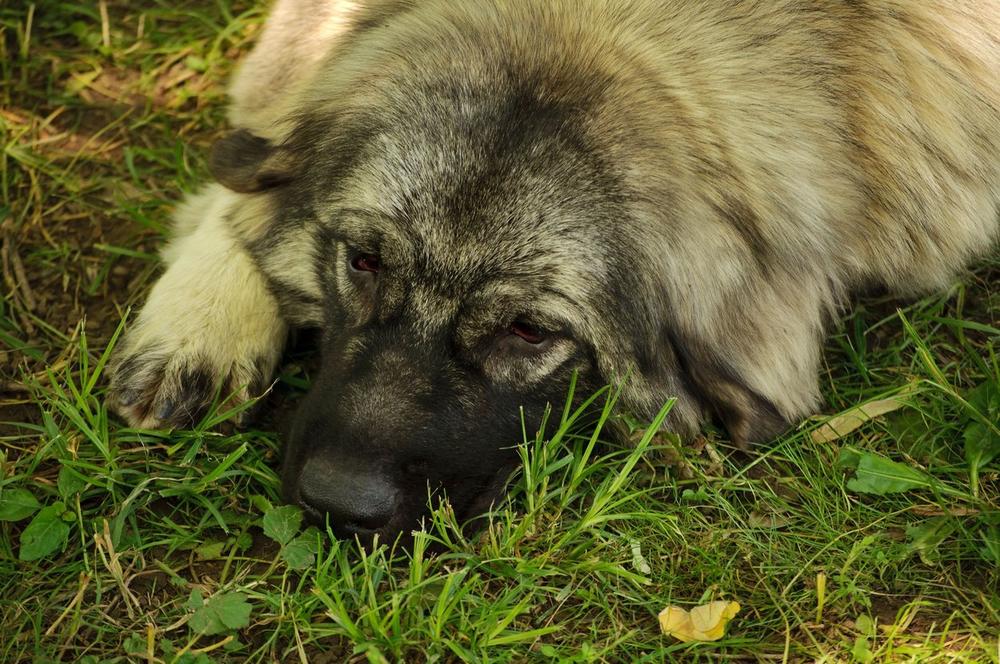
{"x":209,"y":324}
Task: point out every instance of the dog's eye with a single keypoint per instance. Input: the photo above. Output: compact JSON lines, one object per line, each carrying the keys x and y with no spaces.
{"x":366,"y":263}
{"x":527,"y":332}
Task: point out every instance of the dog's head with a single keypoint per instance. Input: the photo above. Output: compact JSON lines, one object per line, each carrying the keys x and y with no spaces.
{"x":469,"y":235}
{"x":463,"y":266}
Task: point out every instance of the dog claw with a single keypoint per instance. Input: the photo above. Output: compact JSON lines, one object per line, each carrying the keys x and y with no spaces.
{"x":127,"y":398}
{"x":166,"y":410}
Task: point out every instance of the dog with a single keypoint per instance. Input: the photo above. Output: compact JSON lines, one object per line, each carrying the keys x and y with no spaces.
{"x":479,"y":202}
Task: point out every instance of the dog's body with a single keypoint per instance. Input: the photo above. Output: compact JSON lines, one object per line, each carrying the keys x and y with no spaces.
{"x":477,"y":199}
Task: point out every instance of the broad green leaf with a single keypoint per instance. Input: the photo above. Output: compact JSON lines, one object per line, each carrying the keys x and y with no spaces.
{"x":925,"y":538}
{"x":262,"y":504}
{"x":46,"y":533}
{"x":692,"y":496}
{"x":982,"y":441}
{"x":879,"y":475}
{"x":69,"y":483}
{"x":865,"y":625}
{"x":17,"y":504}
{"x":167,"y":646}
{"x":195,"y":63}
{"x":220,"y":613}
{"x":209,"y":550}
{"x":986,"y":399}
{"x":135,"y":645}
{"x":244,"y":541}
{"x":848,"y":459}
{"x":982,"y":445}
{"x":282,"y":523}
{"x":195,"y":600}
{"x":233,"y":609}
{"x":862,"y":650}
{"x":300,"y":553}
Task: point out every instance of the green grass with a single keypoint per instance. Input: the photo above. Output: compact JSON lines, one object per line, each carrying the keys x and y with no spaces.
{"x":882,"y":544}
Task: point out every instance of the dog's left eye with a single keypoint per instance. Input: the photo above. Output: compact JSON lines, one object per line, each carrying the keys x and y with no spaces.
{"x":366,"y":263}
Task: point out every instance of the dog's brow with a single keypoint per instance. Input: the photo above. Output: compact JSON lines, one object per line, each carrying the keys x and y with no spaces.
{"x":547,"y":306}
{"x":566,"y":298}
{"x":369,"y":215}
{"x":361,"y":226}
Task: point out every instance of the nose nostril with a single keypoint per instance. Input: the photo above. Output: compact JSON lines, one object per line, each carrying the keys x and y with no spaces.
{"x":354,"y":514}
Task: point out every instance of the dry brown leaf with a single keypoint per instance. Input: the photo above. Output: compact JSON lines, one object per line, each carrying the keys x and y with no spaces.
{"x":934,"y":510}
{"x":839,"y":426}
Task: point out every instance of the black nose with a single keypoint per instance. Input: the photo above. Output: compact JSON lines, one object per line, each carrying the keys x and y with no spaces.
{"x":357,"y":502}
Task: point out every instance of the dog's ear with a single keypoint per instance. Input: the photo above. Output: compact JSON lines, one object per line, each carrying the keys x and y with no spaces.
{"x":748,"y":415}
{"x":248,"y":163}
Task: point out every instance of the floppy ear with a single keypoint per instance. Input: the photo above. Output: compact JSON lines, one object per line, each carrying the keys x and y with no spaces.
{"x":247,"y":163}
{"x":748,"y":415}
{"x":751,"y":385}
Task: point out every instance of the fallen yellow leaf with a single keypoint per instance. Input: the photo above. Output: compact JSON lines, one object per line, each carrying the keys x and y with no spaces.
{"x":840,"y":425}
{"x":702,"y":623}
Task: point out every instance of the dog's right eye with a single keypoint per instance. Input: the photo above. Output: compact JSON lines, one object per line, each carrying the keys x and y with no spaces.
{"x":366,"y":263}
{"x":527,"y":332}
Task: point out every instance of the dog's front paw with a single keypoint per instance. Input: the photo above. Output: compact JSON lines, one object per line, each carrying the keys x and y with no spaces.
{"x":168,"y":382}
{"x":172,"y":366}
{"x":203,"y":334}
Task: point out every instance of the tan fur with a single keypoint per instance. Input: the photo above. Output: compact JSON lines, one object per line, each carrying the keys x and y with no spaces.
{"x":294,"y":41}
